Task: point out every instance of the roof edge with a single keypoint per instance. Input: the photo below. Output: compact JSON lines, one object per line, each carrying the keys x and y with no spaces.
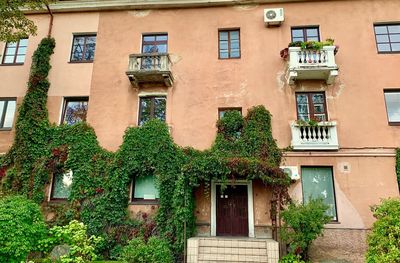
{"x":105,"y":5}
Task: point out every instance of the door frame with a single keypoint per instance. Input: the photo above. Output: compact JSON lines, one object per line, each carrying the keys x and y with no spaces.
{"x":249,"y":204}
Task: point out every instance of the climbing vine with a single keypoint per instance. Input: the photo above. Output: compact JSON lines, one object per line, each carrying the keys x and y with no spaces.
{"x":243,"y":149}
{"x":398,"y":166}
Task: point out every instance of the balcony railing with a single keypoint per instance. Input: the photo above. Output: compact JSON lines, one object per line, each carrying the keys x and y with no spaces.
{"x":322,"y":136}
{"x":306,"y":64}
{"x":152,"y":68}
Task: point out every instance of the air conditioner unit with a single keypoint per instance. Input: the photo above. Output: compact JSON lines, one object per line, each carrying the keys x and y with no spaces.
{"x":273,"y":16}
{"x":291,"y":171}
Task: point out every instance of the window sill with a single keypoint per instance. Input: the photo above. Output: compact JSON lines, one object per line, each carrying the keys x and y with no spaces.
{"x":229,"y":58}
{"x":5,"y":129}
{"x":80,"y":62}
{"x":144,"y":202}
{"x":388,"y":52}
{"x":58,"y":200}
{"x":394,"y":123}
{"x":11,"y":64}
{"x":334,"y":222}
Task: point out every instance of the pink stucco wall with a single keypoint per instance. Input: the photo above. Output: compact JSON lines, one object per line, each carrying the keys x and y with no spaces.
{"x":203,"y":83}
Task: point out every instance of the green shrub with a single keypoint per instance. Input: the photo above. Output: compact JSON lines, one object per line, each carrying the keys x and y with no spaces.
{"x":384,"y":240}
{"x":302,"y":224}
{"x":291,"y":258}
{"x":73,"y":235}
{"x":21,"y":228}
{"x":156,"y":250}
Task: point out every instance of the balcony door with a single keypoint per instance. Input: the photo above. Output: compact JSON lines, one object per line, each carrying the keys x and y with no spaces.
{"x":153,"y":44}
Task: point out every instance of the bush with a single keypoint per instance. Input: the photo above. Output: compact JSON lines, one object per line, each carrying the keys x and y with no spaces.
{"x":302,"y":224}
{"x":74,"y":235}
{"x":21,"y":228}
{"x":291,"y":258}
{"x":156,"y":250}
{"x":384,"y":240}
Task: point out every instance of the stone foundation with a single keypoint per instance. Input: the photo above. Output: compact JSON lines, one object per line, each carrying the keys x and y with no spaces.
{"x":340,"y":245}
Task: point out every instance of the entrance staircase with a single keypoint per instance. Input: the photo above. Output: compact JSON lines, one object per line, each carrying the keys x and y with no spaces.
{"x":220,"y":249}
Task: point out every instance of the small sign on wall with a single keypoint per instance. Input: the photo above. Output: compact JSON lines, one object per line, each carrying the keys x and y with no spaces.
{"x":344,"y":167}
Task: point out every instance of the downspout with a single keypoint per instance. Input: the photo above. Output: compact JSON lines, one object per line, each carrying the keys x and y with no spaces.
{"x":51,"y":20}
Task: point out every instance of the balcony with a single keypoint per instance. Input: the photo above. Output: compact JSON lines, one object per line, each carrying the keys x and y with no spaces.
{"x":322,"y":136}
{"x":152,"y":68}
{"x":312,"y":64}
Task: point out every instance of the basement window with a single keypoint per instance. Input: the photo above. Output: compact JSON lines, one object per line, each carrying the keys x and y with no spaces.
{"x":61,"y":186}
{"x":144,"y":189}
{"x":7,"y":112}
{"x":317,"y":182}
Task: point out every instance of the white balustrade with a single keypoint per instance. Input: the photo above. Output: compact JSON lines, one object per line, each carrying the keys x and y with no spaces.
{"x":312,"y":64}
{"x":322,"y":136}
{"x":150,"y":68}
{"x":149,"y":62}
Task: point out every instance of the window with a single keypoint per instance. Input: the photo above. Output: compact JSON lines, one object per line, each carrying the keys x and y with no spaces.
{"x":75,"y":110}
{"x":311,"y":106}
{"x":392,"y":100}
{"x":305,"y":34}
{"x":83,"y":48}
{"x":15,"y":52}
{"x":152,"y":108}
{"x":222,"y":111}
{"x":144,"y":188}
{"x":7,"y":111}
{"x":156,"y":43}
{"x":229,"y":44}
{"x":317,"y":182}
{"x":387,"y":38}
{"x":61,"y":187}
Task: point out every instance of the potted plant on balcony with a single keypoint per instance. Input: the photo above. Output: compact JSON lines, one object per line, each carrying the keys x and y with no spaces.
{"x":309,"y":45}
{"x":310,"y":123}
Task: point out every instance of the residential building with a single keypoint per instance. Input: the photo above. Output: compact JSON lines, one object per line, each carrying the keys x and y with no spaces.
{"x":120,"y":63}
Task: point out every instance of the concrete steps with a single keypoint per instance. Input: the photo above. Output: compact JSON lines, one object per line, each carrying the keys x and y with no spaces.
{"x":207,"y":250}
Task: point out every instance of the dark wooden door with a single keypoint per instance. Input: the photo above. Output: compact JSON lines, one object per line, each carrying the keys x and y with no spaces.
{"x":232,"y":215}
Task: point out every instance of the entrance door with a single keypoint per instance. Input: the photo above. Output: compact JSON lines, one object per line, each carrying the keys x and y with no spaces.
{"x":232,"y":211}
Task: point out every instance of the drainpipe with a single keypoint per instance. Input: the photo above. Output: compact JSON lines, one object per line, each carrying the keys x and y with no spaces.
{"x":51,"y":20}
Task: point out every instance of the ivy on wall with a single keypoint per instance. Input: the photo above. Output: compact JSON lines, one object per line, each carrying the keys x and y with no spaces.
{"x":244,"y":149}
{"x":398,"y":166}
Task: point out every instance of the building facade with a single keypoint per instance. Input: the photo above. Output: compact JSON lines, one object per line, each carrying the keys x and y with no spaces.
{"x":336,"y":110}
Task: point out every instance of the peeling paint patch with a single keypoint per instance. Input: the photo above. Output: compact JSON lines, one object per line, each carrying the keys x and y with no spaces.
{"x":336,"y":94}
{"x":244,"y":7}
{"x":175,"y":58}
{"x":140,"y":13}
{"x":232,"y":97}
{"x":281,"y":80}
{"x":339,"y":92}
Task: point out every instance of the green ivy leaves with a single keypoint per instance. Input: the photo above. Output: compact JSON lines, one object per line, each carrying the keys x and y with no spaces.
{"x":244,"y":148}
